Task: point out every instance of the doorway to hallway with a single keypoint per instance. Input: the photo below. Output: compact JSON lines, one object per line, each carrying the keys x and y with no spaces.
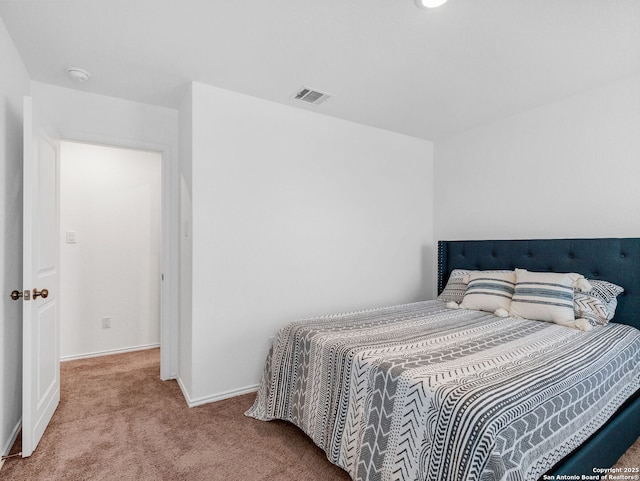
{"x":110,"y":249}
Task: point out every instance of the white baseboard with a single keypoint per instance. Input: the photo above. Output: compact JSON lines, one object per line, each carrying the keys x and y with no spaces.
{"x":182,"y":387}
{"x":108,"y":352}
{"x":12,"y":438}
{"x":215,"y":397}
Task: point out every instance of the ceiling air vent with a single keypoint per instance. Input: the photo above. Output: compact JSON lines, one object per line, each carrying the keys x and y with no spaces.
{"x":311,"y":96}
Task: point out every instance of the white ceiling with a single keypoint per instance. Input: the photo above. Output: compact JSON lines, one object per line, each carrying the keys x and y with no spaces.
{"x":387,"y":63}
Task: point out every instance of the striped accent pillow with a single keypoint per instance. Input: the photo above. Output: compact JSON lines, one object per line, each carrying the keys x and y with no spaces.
{"x":544,"y":296}
{"x":457,"y":284}
{"x":489,"y":291}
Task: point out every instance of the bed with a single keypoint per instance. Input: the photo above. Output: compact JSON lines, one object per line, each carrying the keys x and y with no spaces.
{"x":424,"y":391}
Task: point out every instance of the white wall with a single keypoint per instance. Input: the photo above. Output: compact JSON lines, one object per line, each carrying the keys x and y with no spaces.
{"x":14,"y":84}
{"x":110,"y":198}
{"x":186,"y":258}
{"x":296,"y":214}
{"x":567,"y":169}
{"x":85,"y":116}
{"x":95,"y":118}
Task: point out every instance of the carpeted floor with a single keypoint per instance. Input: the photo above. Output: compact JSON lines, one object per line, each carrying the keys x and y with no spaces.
{"x":118,"y":421}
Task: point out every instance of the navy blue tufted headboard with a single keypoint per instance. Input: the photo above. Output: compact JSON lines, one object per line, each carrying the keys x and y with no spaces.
{"x":614,"y":260}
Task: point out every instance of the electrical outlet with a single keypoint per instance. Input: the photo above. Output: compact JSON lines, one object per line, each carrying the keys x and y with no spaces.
{"x":106,"y":323}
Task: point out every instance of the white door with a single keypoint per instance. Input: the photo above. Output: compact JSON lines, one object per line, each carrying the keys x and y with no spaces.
{"x":41,"y":358}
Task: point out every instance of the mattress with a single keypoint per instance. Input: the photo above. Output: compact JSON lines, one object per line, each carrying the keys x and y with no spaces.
{"x":418,"y":391}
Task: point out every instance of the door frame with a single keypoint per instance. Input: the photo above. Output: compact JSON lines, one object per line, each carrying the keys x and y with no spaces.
{"x":169,"y":294}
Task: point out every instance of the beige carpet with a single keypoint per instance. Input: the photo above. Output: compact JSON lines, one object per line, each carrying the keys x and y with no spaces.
{"x":118,"y":421}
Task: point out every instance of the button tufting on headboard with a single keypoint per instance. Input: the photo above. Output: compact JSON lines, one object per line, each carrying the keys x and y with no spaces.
{"x":612,"y":259}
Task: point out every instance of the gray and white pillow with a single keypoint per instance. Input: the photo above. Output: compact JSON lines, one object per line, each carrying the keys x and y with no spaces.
{"x":590,"y":308}
{"x":597,"y":305}
{"x":545,"y":296}
{"x":489,"y":291}
{"x":456,"y":286}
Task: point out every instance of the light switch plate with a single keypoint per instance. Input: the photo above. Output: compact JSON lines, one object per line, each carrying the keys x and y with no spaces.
{"x":71,"y":237}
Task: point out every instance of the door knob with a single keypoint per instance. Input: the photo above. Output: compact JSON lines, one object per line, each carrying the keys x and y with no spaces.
{"x":15,"y":295}
{"x":44,"y":293}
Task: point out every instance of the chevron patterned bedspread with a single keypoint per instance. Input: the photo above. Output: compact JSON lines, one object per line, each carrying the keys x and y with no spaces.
{"x":419,"y":392}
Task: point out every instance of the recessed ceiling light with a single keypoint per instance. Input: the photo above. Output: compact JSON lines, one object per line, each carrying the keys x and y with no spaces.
{"x":430,"y":3}
{"x":78,"y":75}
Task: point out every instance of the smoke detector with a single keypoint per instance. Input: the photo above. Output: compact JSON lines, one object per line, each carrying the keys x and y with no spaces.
{"x":78,"y":75}
{"x":310,"y":96}
{"x":430,"y":3}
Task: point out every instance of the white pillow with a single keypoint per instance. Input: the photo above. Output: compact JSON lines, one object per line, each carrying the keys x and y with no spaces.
{"x":489,"y":291}
{"x":545,"y":296}
{"x":457,"y":285}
